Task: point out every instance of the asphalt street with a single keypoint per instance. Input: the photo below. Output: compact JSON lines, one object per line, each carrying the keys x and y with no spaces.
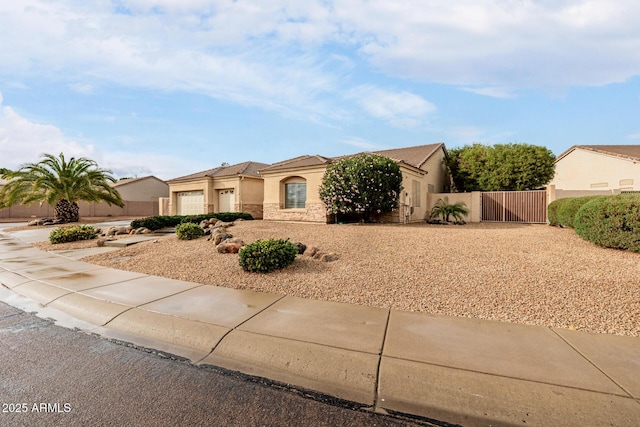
{"x":56,"y":376}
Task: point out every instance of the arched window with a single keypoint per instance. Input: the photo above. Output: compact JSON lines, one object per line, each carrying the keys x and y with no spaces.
{"x":295,"y":193}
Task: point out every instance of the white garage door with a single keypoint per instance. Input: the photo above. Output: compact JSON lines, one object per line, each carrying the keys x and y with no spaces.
{"x":227,"y":200}
{"x":191,"y":203}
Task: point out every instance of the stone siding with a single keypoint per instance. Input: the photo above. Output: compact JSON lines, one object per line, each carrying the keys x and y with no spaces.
{"x":316,"y":212}
{"x":255,"y":210}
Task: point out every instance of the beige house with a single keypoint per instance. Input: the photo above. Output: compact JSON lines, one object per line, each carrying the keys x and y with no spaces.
{"x":291,"y":187}
{"x":144,"y":189}
{"x":236,"y":188}
{"x":598,"y":168}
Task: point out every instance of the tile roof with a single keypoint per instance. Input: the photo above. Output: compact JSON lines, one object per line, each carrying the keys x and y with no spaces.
{"x":625,"y":151}
{"x":297,"y":162}
{"x":413,"y":156}
{"x":130,"y":180}
{"x":245,"y":168}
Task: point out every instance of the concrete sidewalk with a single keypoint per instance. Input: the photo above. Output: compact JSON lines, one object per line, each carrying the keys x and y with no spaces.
{"x":455,"y":370}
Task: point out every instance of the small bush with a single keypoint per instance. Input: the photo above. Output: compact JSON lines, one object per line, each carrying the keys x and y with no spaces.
{"x":72,"y":234}
{"x":189,"y":231}
{"x":567,"y":210}
{"x":611,"y":222}
{"x":552,"y":211}
{"x":267,"y":255}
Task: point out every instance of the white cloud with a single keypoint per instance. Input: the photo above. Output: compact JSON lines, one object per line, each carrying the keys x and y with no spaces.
{"x":84,"y":88}
{"x":492,"y":91}
{"x":24,"y":141}
{"x":634,"y":136}
{"x":362,"y":144}
{"x":401,"y":109}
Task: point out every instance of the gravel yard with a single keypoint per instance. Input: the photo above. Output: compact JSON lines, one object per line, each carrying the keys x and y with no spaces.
{"x":532,"y":274}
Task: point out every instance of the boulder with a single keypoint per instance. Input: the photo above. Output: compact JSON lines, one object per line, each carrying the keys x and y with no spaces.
{"x":118,"y":229}
{"x":301,"y":247}
{"x":228,"y":248}
{"x":331,"y":256}
{"x":224,"y":224}
{"x":235,"y":240}
{"x":219,"y":237}
{"x":310,"y":251}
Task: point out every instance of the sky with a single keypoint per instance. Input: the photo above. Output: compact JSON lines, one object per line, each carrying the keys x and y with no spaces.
{"x":172,"y":87}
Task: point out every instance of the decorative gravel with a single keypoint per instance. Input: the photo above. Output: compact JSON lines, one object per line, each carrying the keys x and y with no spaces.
{"x":531,"y":274}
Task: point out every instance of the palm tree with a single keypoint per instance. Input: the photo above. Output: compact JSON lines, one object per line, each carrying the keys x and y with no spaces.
{"x":60,"y":183}
{"x":443,"y":209}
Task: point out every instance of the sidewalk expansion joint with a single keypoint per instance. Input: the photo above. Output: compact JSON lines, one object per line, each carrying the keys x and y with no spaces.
{"x":594,"y":365}
{"x":237,"y":326}
{"x":377,"y":384}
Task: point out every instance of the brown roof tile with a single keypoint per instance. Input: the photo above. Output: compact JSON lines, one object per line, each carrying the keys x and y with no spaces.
{"x":245,"y":168}
{"x":625,"y":151}
{"x":297,"y":162}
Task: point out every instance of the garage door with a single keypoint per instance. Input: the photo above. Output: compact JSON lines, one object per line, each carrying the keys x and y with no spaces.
{"x":191,"y":203}
{"x":227,"y":200}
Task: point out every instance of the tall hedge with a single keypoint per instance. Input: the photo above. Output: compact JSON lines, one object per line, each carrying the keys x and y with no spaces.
{"x":567,"y":210}
{"x":611,"y":222}
{"x":160,"y":221}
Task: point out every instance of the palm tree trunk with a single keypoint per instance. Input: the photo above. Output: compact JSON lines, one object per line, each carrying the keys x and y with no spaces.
{"x":66,"y":211}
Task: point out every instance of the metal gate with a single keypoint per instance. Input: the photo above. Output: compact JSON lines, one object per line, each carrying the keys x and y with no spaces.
{"x":515,"y":206}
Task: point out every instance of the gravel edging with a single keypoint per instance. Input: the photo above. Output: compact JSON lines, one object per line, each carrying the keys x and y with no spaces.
{"x":530,"y":274}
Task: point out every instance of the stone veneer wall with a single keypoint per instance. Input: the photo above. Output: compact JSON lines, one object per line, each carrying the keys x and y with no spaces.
{"x":254,"y":209}
{"x":314,"y":212}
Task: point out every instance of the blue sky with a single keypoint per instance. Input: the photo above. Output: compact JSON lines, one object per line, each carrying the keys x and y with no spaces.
{"x":171,"y":87}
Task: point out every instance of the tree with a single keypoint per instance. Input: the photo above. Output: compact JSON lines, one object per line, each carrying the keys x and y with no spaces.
{"x":60,"y":183}
{"x":362,"y":184}
{"x":502,"y":167}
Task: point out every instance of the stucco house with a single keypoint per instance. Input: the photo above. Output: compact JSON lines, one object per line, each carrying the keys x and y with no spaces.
{"x":235,"y":188}
{"x":291,"y":187}
{"x":598,"y":168}
{"x":143,"y":189}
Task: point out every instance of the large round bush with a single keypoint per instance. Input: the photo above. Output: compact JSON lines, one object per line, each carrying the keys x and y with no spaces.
{"x":611,"y":222}
{"x":189,"y":231}
{"x":267,"y":255}
{"x":567,"y":210}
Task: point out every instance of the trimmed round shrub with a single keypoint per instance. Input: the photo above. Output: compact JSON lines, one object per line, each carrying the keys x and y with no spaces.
{"x":72,"y":234}
{"x":567,"y":210}
{"x":611,"y":222}
{"x":189,"y":231}
{"x":552,"y":211}
{"x":267,"y":255}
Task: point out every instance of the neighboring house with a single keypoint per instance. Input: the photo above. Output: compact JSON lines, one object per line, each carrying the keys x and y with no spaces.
{"x":598,"y":168}
{"x":144,"y":189}
{"x":236,"y":188}
{"x":291,"y":187}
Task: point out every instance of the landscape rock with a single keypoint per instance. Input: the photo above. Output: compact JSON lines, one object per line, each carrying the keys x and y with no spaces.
{"x":331,"y":256}
{"x":301,"y":247}
{"x":228,"y":248}
{"x":219,"y":237}
{"x":310,"y":251}
{"x":235,"y":240}
{"x":117,"y":230}
{"x":224,"y":224}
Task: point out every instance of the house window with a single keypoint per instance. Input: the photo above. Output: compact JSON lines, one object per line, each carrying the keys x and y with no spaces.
{"x":295,"y":195}
{"x":415,"y":193}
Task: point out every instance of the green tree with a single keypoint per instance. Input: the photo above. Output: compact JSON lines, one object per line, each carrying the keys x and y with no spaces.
{"x":501,"y":167}
{"x":362,"y":184}
{"x":60,"y":183}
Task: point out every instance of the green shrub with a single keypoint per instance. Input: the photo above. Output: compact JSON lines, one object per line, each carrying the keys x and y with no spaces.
{"x":161,"y":221}
{"x":567,"y":210}
{"x":552,"y":211}
{"x":189,"y":231}
{"x":267,"y":255}
{"x":611,"y":222}
{"x":72,"y":234}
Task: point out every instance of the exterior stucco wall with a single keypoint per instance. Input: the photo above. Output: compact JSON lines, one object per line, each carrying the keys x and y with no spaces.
{"x":587,"y":170}
{"x":144,"y":190}
{"x":472,"y":201}
{"x":314,"y":210}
